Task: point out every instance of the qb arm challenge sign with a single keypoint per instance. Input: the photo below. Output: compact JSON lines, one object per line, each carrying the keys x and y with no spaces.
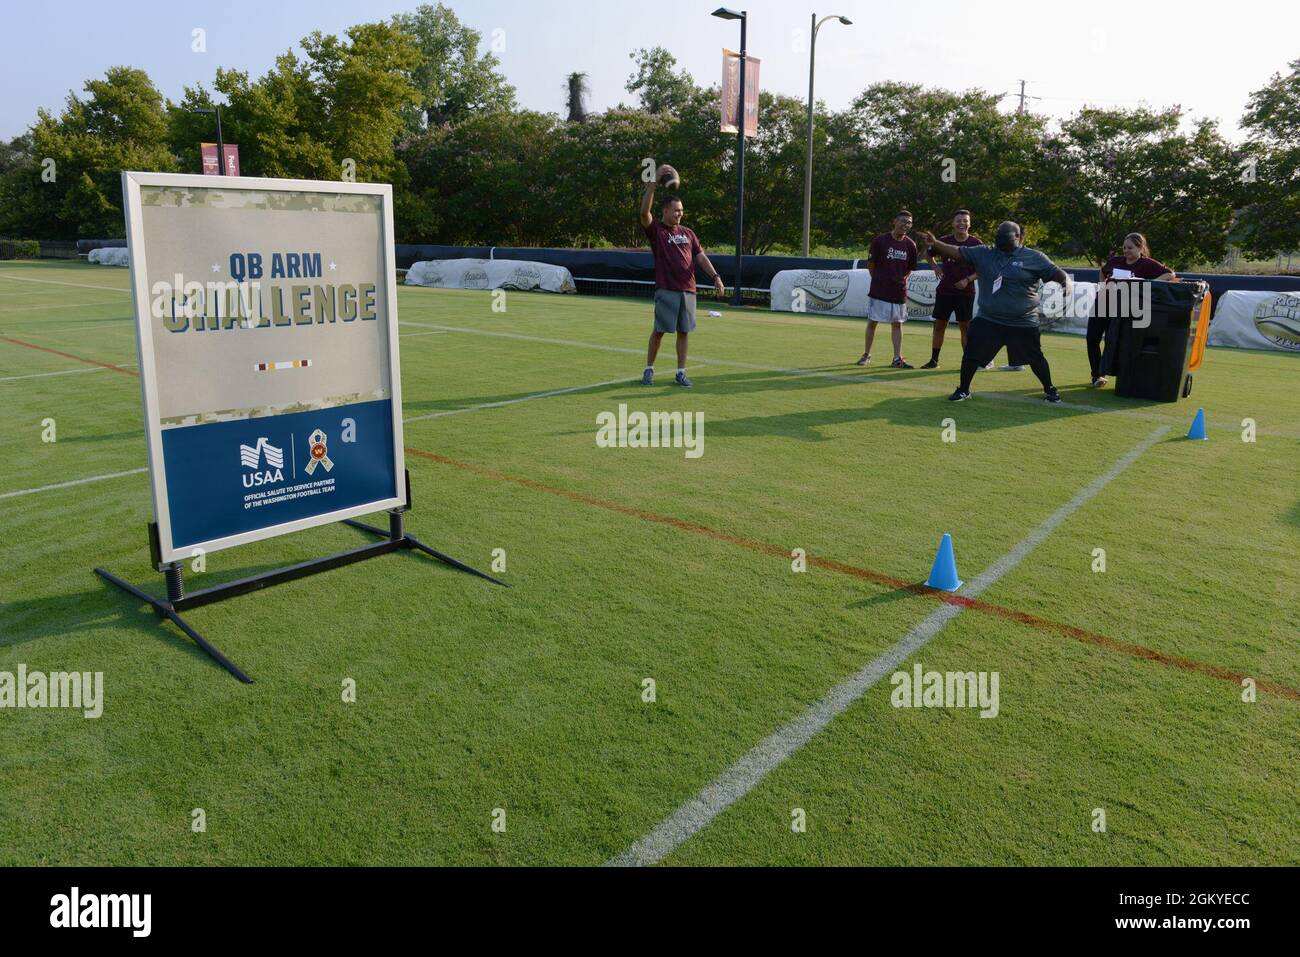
{"x":266,"y":317}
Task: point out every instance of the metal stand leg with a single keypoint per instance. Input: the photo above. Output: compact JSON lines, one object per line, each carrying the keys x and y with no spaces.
{"x":164,"y":609}
{"x":177,"y":599}
{"x":174,"y":575}
{"x":395,"y":534}
{"x":453,"y":562}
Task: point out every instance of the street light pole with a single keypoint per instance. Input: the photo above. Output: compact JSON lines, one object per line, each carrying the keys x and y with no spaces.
{"x":808,"y":158}
{"x":221,"y":143}
{"x":722,"y":13}
{"x":807,"y":163}
{"x":740,"y":167}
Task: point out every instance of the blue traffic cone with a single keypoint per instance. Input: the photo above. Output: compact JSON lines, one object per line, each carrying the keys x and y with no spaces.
{"x":1197,"y":431}
{"x":943,"y":574}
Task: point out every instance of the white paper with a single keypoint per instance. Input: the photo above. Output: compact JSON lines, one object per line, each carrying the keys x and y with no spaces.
{"x":1121,"y":274}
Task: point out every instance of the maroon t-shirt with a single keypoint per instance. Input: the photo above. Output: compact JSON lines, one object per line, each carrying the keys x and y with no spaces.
{"x":955,"y":270}
{"x":1144,"y":268}
{"x":675,"y":249}
{"x":891,"y":260}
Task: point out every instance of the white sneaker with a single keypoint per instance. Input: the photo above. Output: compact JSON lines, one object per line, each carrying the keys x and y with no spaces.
{"x":1099,"y":382}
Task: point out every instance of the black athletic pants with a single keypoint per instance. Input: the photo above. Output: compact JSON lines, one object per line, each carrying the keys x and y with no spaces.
{"x":1097,"y":326}
{"x":986,"y":337}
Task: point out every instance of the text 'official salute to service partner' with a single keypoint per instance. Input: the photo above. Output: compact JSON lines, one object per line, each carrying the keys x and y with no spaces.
{"x":1010,"y":276}
{"x":677,"y":252}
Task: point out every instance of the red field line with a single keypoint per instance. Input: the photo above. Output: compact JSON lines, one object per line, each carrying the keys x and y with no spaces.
{"x":975,"y":604}
{"x":69,"y":355}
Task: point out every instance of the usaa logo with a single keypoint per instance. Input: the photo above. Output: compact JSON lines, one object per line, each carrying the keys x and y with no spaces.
{"x":251,"y":457}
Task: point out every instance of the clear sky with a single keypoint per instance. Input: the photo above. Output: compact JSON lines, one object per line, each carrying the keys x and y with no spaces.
{"x":1207,"y":55}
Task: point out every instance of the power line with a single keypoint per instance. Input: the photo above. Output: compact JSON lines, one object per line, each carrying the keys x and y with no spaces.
{"x":1023,"y":97}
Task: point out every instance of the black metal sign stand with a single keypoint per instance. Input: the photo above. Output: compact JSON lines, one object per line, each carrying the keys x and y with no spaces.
{"x":395,"y":539}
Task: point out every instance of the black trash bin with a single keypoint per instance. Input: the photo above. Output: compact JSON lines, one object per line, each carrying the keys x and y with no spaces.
{"x":1151,"y":361}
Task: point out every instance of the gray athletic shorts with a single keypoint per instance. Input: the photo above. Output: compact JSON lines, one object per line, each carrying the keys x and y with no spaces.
{"x":674,"y":311}
{"x":880,"y":311}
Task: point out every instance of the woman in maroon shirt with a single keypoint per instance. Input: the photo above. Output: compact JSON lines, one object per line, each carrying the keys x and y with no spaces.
{"x":1134,"y":263}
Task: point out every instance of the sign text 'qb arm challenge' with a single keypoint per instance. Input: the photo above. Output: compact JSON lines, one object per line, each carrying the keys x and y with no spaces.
{"x":266,"y":319}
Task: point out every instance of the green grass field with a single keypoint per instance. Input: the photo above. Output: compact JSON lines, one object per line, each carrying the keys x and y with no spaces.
{"x":1120,"y":690}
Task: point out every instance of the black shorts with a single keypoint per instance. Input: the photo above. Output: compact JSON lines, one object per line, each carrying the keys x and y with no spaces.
{"x":946,"y":304}
{"x":986,"y":339}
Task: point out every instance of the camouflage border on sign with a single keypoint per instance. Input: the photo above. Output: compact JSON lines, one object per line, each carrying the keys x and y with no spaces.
{"x":215,"y":197}
{"x":254,"y":412}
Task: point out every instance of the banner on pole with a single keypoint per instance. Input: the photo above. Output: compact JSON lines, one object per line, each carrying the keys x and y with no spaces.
{"x":266,"y":319}
{"x":731,"y":92}
{"x":211,"y":164}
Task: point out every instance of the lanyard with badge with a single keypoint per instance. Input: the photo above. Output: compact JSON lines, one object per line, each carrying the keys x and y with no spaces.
{"x":997,"y":283}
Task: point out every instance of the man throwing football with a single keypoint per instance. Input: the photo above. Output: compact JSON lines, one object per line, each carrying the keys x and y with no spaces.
{"x":677,"y":252}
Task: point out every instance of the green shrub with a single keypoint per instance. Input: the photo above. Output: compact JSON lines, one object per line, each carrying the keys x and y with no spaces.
{"x":20,"y":249}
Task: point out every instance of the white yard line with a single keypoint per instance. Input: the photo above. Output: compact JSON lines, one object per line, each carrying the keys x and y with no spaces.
{"x":126,"y":329}
{"x":838,"y":377}
{"x":746,"y":774}
{"x":535,"y":395}
{"x":412,"y":335}
{"x":4,"y":310}
{"x":81,"y":481}
{"x":522,"y":398}
{"x":524,"y":338}
{"x":59,"y":282}
{"x":841,"y":377}
{"x":42,"y":375}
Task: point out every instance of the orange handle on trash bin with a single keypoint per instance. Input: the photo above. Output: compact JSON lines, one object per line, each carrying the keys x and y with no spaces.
{"x":1202,"y":334}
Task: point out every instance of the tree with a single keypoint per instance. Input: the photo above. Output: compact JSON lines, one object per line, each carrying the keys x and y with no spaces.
{"x":695,"y":144}
{"x":304,"y":118}
{"x":278,"y":122}
{"x":577,"y":88}
{"x":932,"y":151}
{"x":1269,"y":222}
{"x":491,"y":178}
{"x":67,"y":182}
{"x":453,"y":80}
{"x":364,"y":87}
{"x":661,"y":90}
{"x":774,"y":174}
{"x":1111,"y":172}
{"x":774,"y":159}
{"x":599,"y":164}
{"x":17,"y":152}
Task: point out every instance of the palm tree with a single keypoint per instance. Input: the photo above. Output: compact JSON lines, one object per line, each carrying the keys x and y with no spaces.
{"x":577,"y":87}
